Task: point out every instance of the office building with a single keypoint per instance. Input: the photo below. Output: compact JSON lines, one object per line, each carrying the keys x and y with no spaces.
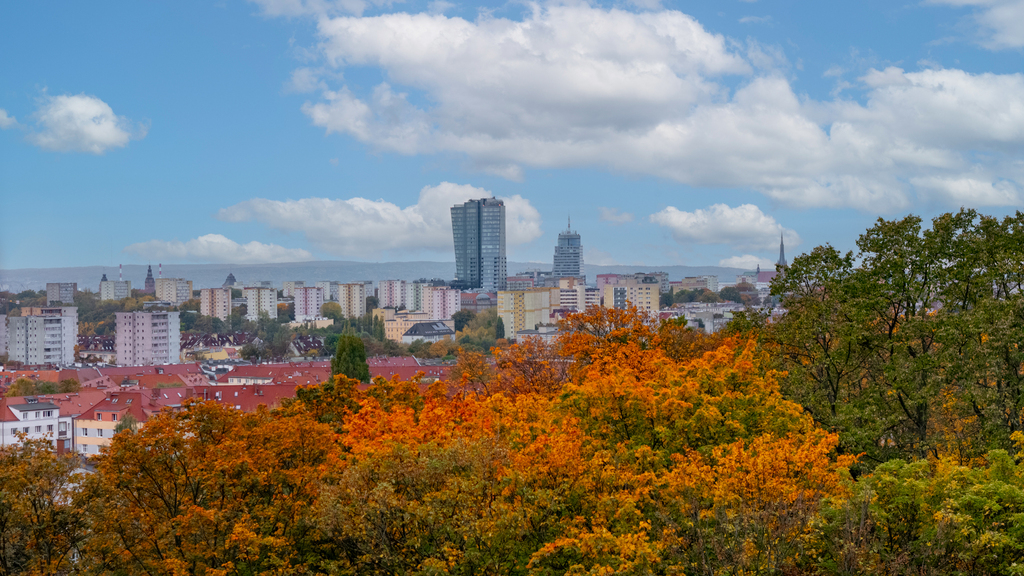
{"x":215,"y":302}
{"x":43,"y":335}
{"x":478,"y":230}
{"x":525,"y":309}
{"x":308,"y":301}
{"x":173,"y":290}
{"x":259,"y":300}
{"x":147,"y":338}
{"x":568,"y":255}
{"x":61,"y":292}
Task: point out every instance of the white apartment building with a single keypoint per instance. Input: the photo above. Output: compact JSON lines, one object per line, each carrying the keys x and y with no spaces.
{"x":414,"y":296}
{"x":215,"y":302}
{"x":260,"y":300}
{"x":391,"y":294}
{"x":3,"y":334}
{"x":575,"y":295}
{"x":259,"y":284}
{"x":440,"y":302}
{"x":330,"y":289}
{"x":712,"y":283}
{"x":173,"y":290}
{"x":61,"y":292}
{"x":115,"y":289}
{"x":352,"y":299}
{"x":288,"y":288}
{"x":35,"y":418}
{"x":308,"y":301}
{"x":48,"y":337}
{"x":147,"y":338}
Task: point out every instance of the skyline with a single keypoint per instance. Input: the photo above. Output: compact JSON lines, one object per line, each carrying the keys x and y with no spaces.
{"x":674,"y":133}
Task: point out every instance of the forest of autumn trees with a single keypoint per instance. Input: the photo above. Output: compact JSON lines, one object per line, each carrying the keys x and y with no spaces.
{"x":872,"y":429}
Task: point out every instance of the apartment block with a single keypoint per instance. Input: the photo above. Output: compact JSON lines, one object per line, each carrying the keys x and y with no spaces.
{"x":147,"y":338}
{"x":173,"y":290}
{"x":260,"y":300}
{"x":215,"y":302}
{"x":3,"y":334}
{"x":440,"y":302}
{"x":43,"y":335}
{"x":308,"y":301}
{"x":396,"y":324}
{"x":61,"y":292}
{"x":352,"y":299}
{"x":288,"y":288}
{"x":644,"y":293}
{"x":259,"y":284}
{"x":391,"y":294}
{"x":330,"y":290}
{"x":525,"y":309}
{"x":575,"y":295}
{"x":115,"y":289}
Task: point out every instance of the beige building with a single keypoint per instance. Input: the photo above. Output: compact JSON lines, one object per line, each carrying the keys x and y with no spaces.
{"x":643,"y":293}
{"x":391,"y":293}
{"x":526,"y":309}
{"x":352,"y":299}
{"x":396,"y":324}
{"x":440,"y":301}
{"x":173,"y":290}
{"x":260,"y":300}
{"x":288,"y":288}
{"x":215,"y":302}
{"x":575,"y":295}
{"x":115,"y":289}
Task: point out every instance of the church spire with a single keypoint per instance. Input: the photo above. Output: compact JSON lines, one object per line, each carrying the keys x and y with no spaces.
{"x":782,"y":252}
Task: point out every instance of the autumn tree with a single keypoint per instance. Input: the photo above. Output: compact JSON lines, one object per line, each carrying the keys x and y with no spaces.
{"x":350,"y":359}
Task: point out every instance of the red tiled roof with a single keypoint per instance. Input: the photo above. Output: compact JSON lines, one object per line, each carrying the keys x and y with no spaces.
{"x":246,"y":398}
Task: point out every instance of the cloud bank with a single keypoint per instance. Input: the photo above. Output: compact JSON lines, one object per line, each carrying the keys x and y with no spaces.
{"x":217,"y":248}
{"x":654,"y":93}
{"x":744,"y":226}
{"x":999,"y":23}
{"x":81,"y":123}
{"x":359,"y":226}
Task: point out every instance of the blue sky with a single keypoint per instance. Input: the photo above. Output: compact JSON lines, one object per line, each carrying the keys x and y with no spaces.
{"x":673,"y":132}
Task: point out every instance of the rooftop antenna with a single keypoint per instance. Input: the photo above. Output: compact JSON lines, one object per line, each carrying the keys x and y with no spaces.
{"x":161,"y":270}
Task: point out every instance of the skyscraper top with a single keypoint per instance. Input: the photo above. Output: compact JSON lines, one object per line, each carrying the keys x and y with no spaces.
{"x":568,"y":255}
{"x":782,"y":252}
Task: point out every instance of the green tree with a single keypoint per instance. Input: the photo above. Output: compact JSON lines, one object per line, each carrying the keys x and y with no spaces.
{"x":332,"y":310}
{"x":499,"y":328}
{"x":461,"y":318}
{"x":350,"y":359}
{"x":730,"y":294}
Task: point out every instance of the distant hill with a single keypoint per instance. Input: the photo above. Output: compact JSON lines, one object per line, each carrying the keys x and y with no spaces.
{"x":212,"y":275}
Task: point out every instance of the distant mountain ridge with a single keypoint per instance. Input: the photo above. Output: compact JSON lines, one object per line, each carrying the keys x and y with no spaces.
{"x":213,"y":275}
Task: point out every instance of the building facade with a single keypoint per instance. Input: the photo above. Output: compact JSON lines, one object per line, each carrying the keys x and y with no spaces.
{"x":644,"y":293}
{"x":391,"y":294}
{"x":3,"y":334}
{"x":308,"y":301}
{"x":61,"y":292}
{"x":147,"y":338}
{"x":478,"y":230}
{"x":48,"y":336}
{"x":440,"y":302}
{"x":352,"y":299}
{"x":568,"y":255}
{"x":288,"y":288}
{"x":215,"y":302}
{"x":149,"y":286}
{"x":173,"y":290}
{"x":525,"y":309}
{"x":260,"y":300}
{"x":576,"y":296}
{"x":115,"y":289}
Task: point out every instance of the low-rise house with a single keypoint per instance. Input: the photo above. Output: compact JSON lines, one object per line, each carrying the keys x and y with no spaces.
{"x":428,"y":332}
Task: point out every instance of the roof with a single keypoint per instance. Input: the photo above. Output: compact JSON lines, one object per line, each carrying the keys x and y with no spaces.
{"x":68,"y":404}
{"x":246,"y":398}
{"x":428,"y":330}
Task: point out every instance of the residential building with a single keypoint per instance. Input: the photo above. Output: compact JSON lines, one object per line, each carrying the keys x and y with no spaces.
{"x":115,"y":289}
{"x":712,"y":282}
{"x":308,"y":301}
{"x":95,"y":427}
{"x":568,"y":255}
{"x":397,"y":323}
{"x":61,"y":292}
{"x":44,"y":335}
{"x":352,"y":299}
{"x":3,"y":334}
{"x":429,"y":332}
{"x":145,"y":338}
{"x":215,"y":302}
{"x":576,"y":296}
{"x":36,"y":418}
{"x":330,"y":290}
{"x":288,"y":288}
{"x":391,"y":294}
{"x":644,"y":293}
{"x":260,"y":300}
{"x":173,"y":290}
{"x":440,"y":302}
{"x":259,"y":284}
{"x":519,"y":282}
{"x":546,"y":334}
{"x":695,"y":283}
{"x":525,"y":309}
{"x":149,"y":287}
{"x":478,"y":230}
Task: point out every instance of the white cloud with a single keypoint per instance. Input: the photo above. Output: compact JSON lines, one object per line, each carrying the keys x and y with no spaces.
{"x":361,"y":227}
{"x":646,"y":93}
{"x":217,"y":248}
{"x":81,"y":123}
{"x":747,"y":262}
{"x":318,"y":8}
{"x":614,"y":216}
{"x":744,"y":226}
{"x":1000,"y":23}
{"x":6,"y":121}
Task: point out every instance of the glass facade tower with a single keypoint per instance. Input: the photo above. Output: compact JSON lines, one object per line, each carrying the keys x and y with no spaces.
{"x":478,"y":228}
{"x":568,"y":255}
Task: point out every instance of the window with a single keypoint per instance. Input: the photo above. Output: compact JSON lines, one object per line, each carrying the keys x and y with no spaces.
{"x":49,"y":427}
{"x":62,"y":427}
{"x":39,"y":428}
{"x":113,"y":417}
{"x":25,"y":429}
{"x":48,"y":414}
{"x":37,"y":414}
{"x":99,"y":432}
{"x":85,"y":431}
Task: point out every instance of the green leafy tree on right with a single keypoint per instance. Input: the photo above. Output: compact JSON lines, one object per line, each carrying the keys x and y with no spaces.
{"x":350,"y":358}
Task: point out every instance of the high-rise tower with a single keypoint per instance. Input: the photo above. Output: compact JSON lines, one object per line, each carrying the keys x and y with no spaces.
{"x":782,"y":253}
{"x":478,"y":228}
{"x":568,"y":255}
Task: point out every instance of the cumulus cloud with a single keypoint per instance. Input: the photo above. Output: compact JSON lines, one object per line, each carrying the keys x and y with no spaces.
{"x":744,"y":226}
{"x":747,"y":262}
{"x":614,"y":216}
{"x":359,"y":226}
{"x":6,"y":121}
{"x":649,"y":93}
{"x":999,"y":23}
{"x":81,"y":123}
{"x":217,"y":248}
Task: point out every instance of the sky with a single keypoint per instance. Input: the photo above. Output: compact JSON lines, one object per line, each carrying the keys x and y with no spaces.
{"x":671,"y":132}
